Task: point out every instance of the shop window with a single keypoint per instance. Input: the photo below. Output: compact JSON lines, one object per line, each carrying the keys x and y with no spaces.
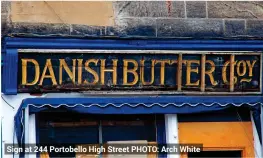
{"x":59,"y":129}
{"x":237,"y":154}
{"x":80,"y":129}
{"x":129,"y":128}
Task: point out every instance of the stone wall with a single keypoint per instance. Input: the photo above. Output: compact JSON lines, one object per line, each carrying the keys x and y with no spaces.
{"x":161,"y":19}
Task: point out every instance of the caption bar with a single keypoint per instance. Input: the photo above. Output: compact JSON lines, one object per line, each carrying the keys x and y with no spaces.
{"x":105,"y":149}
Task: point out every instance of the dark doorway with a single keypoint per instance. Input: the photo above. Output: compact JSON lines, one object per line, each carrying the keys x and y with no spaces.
{"x":216,"y":154}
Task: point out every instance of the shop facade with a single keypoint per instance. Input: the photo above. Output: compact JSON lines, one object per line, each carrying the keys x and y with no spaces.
{"x":97,"y":91}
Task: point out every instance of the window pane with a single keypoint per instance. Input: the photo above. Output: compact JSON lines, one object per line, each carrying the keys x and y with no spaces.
{"x":124,"y":127}
{"x":62,"y":129}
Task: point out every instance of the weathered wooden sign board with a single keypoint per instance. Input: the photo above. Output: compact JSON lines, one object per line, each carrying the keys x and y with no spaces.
{"x":162,"y":72}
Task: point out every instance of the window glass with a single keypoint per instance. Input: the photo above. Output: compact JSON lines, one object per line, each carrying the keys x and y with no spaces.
{"x":123,"y":128}
{"x":63,"y":128}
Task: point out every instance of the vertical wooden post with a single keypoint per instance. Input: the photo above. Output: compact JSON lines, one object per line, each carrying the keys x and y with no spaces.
{"x":203,"y":59}
{"x":179,"y":72}
{"x":232,"y":72}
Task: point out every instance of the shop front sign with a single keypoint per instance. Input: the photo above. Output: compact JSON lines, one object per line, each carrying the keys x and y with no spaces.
{"x":164,"y":72}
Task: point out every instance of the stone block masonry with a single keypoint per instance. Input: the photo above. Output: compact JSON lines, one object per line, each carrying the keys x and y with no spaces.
{"x":148,"y":19}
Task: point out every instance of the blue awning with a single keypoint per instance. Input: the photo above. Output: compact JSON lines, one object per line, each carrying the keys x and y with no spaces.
{"x":132,"y":105}
{"x":143,"y":105}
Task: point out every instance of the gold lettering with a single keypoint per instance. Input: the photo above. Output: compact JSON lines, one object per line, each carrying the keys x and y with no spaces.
{"x":51,"y":73}
{"x":245,"y":80}
{"x":132,"y":71}
{"x":24,"y":72}
{"x":142,"y":73}
{"x":80,"y":71}
{"x":71,"y":74}
{"x":250,"y":67}
{"x":224,"y":71}
{"x":188,"y":72}
{"x":239,"y":73}
{"x":93,"y":72}
{"x":173,"y":62}
{"x":113,"y":70}
{"x":232,"y":73}
{"x":209,"y":72}
{"x":162,"y":69}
